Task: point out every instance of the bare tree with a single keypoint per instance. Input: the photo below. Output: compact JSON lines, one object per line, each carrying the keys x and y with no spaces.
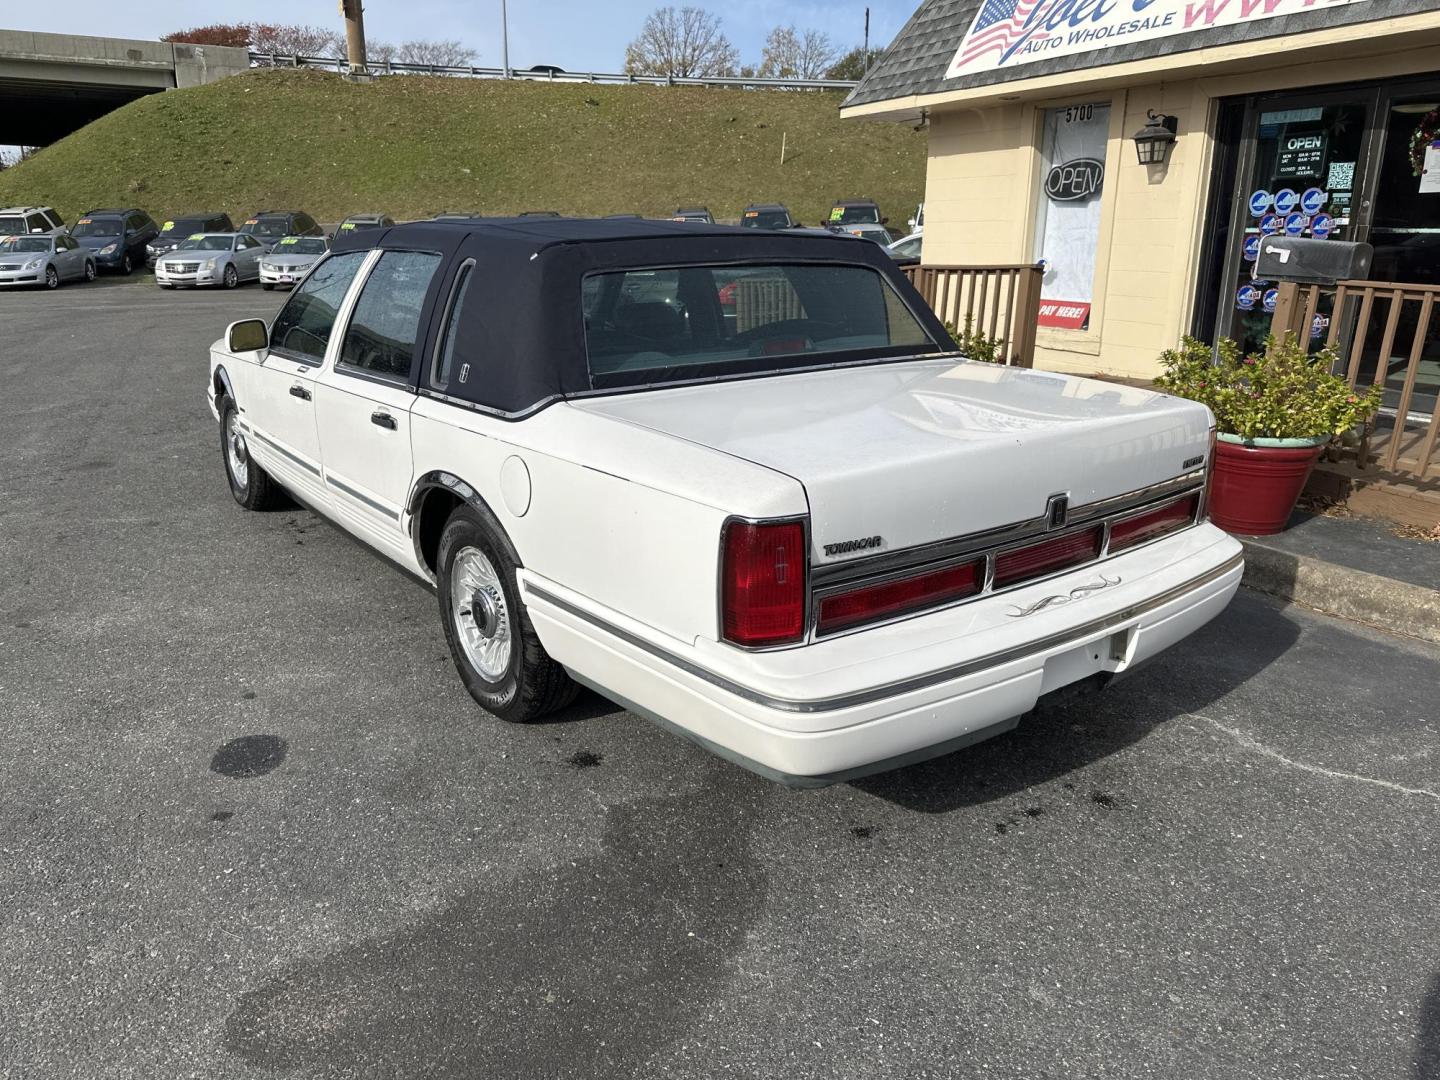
{"x":284,"y":40}
{"x":683,"y":43}
{"x":439,"y":53}
{"x":380,"y":52}
{"x":789,"y":54}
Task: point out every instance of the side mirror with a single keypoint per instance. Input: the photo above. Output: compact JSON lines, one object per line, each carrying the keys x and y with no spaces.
{"x":248,"y":335}
{"x":884,"y":221}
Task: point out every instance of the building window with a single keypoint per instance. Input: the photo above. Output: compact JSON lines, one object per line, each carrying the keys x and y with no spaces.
{"x":1067,"y":214}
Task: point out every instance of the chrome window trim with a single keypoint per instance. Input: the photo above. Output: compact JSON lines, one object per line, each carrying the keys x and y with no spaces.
{"x":903,"y":686}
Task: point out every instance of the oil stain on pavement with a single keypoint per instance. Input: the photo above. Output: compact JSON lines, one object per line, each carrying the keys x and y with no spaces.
{"x":587,"y":971}
{"x":249,"y":756}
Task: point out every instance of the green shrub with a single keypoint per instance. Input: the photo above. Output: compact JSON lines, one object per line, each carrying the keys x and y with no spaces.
{"x":975,"y":345}
{"x":1281,"y":393}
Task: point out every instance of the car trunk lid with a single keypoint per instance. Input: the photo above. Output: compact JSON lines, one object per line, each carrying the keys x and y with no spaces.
{"x":897,"y":455}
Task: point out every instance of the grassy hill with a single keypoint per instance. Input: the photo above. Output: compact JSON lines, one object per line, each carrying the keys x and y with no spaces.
{"x":414,"y":146}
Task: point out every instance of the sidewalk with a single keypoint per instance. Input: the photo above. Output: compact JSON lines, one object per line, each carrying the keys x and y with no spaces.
{"x":1356,"y":568}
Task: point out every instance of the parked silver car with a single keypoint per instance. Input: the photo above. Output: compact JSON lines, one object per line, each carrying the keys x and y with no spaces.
{"x":210,"y":259}
{"x":291,"y":259}
{"x":44,"y":260}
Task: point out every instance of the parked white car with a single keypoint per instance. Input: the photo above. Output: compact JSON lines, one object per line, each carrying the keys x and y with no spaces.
{"x":737,"y":481}
{"x":291,"y":259}
{"x":210,"y":259}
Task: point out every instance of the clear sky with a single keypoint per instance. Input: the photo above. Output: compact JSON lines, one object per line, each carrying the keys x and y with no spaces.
{"x":580,"y":35}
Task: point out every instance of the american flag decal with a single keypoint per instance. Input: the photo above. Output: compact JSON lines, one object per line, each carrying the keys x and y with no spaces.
{"x":1008,"y":33}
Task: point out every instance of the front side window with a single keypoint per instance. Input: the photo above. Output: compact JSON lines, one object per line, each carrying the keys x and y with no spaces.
{"x":445,"y":360}
{"x":303,"y":327}
{"x":664,"y":325}
{"x":1067,"y":215}
{"x":383,"y":330}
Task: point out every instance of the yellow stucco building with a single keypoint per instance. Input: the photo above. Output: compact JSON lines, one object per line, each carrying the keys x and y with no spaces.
{"x":1313,"y":117}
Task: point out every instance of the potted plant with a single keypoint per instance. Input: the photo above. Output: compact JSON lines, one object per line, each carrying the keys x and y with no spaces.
{"x":1274,"y":413}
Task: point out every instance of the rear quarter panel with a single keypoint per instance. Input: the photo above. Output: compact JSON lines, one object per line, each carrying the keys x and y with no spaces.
{"x":627,"y":517}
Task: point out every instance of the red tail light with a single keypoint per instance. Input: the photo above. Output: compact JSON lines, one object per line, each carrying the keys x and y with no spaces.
{"x":1047,"y":556}
{"x":763,"y":571}
{"x":925,"y":590}
{"x":1152,"y":523}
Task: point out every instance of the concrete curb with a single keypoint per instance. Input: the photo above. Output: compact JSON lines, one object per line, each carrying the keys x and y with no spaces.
{"x":1396,"y":606}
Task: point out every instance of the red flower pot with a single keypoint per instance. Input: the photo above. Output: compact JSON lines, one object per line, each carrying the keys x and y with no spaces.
{"x":1254,"y":488}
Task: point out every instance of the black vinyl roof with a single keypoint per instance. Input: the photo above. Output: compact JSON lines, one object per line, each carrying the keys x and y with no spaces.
{"x":521,"y":330}
{"x":916,"y":61}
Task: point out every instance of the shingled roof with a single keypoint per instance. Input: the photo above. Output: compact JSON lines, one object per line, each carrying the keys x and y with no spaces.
{"x":916,"y":61}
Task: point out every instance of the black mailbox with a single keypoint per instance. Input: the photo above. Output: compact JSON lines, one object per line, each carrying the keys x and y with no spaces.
{"x":1312,"y":262}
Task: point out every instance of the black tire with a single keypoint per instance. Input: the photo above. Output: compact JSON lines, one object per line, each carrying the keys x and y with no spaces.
{"x":52,"y":278}
{"x":89,"y":270}
{"x":127,"y":264}
{"x":258,"y":491}
{"x":231,"y":278}
{"x":267,"y":286}
{"x":163,"y":285}
{"x":532,"y":685}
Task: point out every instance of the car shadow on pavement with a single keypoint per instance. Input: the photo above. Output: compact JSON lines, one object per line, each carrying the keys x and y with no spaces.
{"x":1053,"y":741}
{"x":587,"y":968}
{"x":1427,"y":1045}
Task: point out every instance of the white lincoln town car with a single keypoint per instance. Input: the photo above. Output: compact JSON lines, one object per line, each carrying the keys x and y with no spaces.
{"x":739,"y":482}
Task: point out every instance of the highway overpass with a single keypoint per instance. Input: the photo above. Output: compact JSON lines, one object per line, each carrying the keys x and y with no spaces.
{"x":52,"y":84}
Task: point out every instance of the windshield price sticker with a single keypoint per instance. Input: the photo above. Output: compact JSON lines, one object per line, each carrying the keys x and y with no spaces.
{"x":1285,"y":200}
{"x":346,"y":226}
{"x":837,"y":214}
{"x":752,"y":213}
{"x":83,"y":221}
{"x":252,"y":221}
{"x":290,"y":240}
{"x":1260,"y":203}
{"x":167,"y":226}
{"x":196,"y":236}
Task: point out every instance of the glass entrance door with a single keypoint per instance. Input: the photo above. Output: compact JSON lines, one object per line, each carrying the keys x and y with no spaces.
{"x":1303,"y":167}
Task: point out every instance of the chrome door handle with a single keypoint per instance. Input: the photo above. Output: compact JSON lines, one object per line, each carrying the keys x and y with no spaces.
{"x":382,"y":419}
{"x":299,"y":391}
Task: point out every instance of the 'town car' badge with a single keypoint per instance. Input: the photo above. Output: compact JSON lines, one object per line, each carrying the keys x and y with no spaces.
{"x":845,"y":547}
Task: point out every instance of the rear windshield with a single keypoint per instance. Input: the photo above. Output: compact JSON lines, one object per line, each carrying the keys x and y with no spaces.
{"x":96,"y":227}
{"x":766,"y":219}
{"x":266,"y":227}
{"x":11,"y":243}
{"x":852,"y":215}
{"x":665,"y":325}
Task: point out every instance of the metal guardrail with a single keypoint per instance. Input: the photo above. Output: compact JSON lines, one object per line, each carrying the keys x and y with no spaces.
{"x":391,"y":67}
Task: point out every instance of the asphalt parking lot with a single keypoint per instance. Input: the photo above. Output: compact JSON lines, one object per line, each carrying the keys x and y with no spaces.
{"x":252,"y":825}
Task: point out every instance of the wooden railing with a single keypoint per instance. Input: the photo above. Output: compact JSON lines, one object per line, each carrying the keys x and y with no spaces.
{"x":1001,"y":302}
{"x":1408,"y":443}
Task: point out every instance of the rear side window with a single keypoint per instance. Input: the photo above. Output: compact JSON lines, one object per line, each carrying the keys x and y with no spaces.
{"x":445,"y":357}
{"x":303,"y":327}
{"x":383,"y":330}
{"x":55,"y":218}
{"x":663,"y":325}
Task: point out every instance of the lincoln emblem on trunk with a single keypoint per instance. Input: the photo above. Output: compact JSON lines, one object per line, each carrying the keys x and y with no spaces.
{"x":1057,"y":510}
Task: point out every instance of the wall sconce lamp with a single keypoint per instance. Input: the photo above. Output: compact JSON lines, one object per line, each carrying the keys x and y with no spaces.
{"x":1153,"y":141}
